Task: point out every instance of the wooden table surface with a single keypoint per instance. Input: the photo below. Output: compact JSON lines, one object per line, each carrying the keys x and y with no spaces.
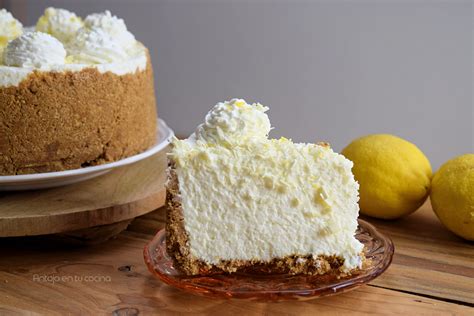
{"x":123,"y":194}
{"x":432,"y":273}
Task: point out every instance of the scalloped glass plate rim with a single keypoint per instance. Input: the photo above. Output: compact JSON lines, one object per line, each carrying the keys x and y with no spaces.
{"x":384,"y":252}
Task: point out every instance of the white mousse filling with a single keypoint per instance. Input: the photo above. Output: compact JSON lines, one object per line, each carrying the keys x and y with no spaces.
{"x":247,"y":197}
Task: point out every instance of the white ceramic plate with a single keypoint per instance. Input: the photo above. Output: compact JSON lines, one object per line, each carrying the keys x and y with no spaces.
{"x":60,"y":178}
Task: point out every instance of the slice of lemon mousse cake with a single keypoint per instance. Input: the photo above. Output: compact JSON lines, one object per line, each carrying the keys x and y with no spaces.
{"x":239,"y":201}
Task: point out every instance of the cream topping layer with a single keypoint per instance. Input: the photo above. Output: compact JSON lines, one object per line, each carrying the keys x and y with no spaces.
{"x":102,"y":42}
{"x":261,"y":198}
{"x":136,"y":61}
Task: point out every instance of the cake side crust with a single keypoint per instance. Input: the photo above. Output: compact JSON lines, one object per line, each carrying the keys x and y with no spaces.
{"x":178,"y":248}
{"x":55,"y":121}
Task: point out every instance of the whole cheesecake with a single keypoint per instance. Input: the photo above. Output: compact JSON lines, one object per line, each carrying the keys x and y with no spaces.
{"x":73,"y":93}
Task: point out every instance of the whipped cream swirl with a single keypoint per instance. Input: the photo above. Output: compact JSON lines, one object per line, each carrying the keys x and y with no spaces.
{"x":94,"y":46}
{"x":34,"y":49}
{"x":10,"y":28}
{"x":61,"y":41}
{"x":59,"y":23}
{"x":113,"y":26}
{"x":234,"y":121}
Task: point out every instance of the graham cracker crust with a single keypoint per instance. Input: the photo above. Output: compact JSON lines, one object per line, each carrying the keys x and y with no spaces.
{"x":178,"y":248}
{"x":55,"y":121}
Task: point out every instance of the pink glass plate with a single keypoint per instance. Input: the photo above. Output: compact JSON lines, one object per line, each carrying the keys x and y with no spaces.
{"x":378,"y":249}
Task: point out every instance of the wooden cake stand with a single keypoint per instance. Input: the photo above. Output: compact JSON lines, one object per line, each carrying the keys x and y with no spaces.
{"x":91,"y":210}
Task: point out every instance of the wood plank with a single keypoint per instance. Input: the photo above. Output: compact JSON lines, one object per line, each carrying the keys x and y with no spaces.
{"x":122,"y":194}
{"x":118,"y":279}
{"x":428,"y":259}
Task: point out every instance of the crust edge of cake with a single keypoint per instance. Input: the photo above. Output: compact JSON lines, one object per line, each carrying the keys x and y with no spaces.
{"x":57,"y":155}
{"x":178,"y":249}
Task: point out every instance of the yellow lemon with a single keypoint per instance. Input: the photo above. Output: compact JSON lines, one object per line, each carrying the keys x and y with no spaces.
{"x":452,"y":195}
{"x":393,"y":174}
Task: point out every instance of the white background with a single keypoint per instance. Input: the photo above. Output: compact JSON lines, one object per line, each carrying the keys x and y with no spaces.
{"x":328,"y":70}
